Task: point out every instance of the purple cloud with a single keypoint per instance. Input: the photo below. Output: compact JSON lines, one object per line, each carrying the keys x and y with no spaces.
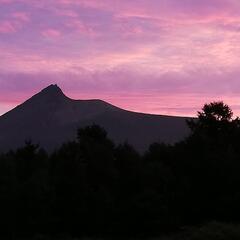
{"x":158,"y":56}
{"x":7,"y":27}
{"x":51,"y":33}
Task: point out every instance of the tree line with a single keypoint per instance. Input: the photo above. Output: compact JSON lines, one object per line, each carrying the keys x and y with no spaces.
{"x":90,"y":186}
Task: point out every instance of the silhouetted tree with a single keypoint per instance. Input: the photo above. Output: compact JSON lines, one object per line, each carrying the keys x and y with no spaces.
{"x":90,"y":186}
{"x":215,"y":122}
{"x":208,"y":166}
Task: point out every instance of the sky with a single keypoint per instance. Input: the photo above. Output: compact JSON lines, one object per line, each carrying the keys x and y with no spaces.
{"x":154,"y":56}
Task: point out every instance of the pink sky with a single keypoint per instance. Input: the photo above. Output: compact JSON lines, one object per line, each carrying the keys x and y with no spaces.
{"x":156,"y":56}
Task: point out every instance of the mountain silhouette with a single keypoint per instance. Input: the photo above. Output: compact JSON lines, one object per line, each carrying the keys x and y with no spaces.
{"x":50,"y":118}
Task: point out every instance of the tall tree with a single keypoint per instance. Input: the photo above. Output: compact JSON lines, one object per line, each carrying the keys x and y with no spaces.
{"x":215,"y":123}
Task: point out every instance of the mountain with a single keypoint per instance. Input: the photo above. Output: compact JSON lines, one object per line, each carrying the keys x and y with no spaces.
{"x":49,"y":118}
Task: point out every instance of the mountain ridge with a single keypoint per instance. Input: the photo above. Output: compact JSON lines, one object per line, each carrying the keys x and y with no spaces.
{"x":50,"y":118}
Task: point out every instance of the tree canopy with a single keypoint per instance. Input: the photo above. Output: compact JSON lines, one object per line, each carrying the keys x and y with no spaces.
{"x":91,"y":186}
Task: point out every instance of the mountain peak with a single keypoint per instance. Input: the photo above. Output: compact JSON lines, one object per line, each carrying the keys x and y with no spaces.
{"x":52,"y":93}
{"x":52,"y":89}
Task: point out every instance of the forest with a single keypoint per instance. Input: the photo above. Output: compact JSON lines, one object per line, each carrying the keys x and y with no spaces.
{"x":95,"y":188}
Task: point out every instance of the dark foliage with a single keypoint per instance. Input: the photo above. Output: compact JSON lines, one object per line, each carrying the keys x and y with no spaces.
{"x":92,"y":187}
